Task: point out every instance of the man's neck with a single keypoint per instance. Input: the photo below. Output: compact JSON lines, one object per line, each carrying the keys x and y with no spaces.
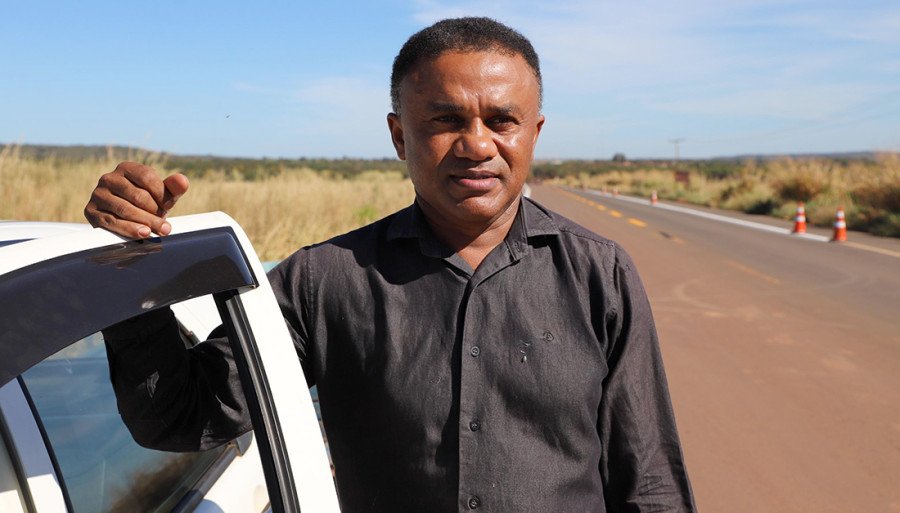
{"x":473,"y":242}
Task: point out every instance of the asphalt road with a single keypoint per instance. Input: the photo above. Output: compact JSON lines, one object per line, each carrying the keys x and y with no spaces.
{"x":783,"y":354}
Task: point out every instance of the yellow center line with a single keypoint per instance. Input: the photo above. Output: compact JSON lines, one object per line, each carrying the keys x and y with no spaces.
{"x":598,"y":206}
{"x":753,"y":272}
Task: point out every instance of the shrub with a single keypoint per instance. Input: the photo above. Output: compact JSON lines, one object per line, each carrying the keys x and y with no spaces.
{"x":795,"y":180}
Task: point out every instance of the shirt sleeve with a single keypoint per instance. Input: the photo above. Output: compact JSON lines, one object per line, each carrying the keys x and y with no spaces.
{"x":641,"y":466}
{"x":176,"y":398}
{"x":290,"y":282}
{"x":170,"y":397}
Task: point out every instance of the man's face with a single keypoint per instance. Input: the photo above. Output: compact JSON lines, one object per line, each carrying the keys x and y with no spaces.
{"x":467,"y":127}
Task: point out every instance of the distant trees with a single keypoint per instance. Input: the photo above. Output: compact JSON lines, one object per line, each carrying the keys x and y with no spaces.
{"x":619,"y":157}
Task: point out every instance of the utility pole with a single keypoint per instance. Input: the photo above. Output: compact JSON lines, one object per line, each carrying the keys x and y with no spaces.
{"x":680,"y":176}
{"x":676,"y":142}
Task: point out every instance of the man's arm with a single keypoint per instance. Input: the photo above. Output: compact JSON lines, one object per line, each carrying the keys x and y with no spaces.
{"x":642,"y":466}
{"x":171,"y":397}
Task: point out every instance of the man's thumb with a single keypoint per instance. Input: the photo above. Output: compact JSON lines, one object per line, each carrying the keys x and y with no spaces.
{"x":176,"y":185}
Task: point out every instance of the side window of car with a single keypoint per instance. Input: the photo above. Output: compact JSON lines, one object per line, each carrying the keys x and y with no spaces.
{"x":103,"y":469}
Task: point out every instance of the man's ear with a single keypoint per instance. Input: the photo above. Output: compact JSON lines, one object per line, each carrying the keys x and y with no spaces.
{"x":540,"y":124}
{"x":396,"y":129}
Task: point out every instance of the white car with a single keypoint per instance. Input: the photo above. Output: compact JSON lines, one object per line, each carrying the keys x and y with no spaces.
{"x":63,"y":447}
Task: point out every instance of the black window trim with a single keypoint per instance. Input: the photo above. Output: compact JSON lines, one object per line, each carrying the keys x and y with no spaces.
{"x":45,"y":438}
{"x":263,"y":415}
{"x":189,"y":265}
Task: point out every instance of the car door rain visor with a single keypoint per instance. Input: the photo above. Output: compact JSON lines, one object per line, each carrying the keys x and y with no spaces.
{"x":46,"y":306}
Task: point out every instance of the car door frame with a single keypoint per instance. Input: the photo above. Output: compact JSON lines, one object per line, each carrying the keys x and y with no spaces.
{"x":287,"y":432}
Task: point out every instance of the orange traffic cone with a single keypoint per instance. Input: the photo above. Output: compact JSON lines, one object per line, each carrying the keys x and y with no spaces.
{"x":840,"y":226}
{"x":800,"y":219}
{"x":653,"y":198}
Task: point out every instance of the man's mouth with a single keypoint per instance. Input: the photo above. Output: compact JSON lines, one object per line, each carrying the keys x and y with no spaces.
{"x":475,"y":180}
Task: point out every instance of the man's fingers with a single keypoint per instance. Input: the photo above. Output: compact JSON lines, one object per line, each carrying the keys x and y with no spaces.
{"x":121,"y":227}
{"x":120,"y":216}
{"x":123,"y":188}
{"x":133,"y":200}
{"x":143,"y":177}
{"x":175,"y":186}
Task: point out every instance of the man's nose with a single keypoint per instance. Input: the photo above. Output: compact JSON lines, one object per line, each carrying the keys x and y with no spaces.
{"x":475,"y":143}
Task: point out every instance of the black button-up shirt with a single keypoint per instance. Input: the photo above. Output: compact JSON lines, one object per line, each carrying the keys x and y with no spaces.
{"x":533,"y":383}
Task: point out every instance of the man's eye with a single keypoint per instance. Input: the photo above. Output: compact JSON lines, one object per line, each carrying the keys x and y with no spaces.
{"x":502,"y":121}
{"x":447,"y":119}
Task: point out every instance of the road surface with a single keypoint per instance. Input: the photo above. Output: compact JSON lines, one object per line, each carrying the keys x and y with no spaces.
{"x":783,"y":354}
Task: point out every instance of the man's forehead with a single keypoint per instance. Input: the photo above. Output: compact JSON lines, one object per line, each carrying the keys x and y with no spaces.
{"x":496,"y":55}
{"x":500,"y":80}
{"x":470,"y":70}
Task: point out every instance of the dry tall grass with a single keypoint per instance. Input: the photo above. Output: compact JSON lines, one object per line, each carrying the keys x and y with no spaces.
{"x":299,"y":206}
{"x":868,"y":191}
{"x":280,"y":213}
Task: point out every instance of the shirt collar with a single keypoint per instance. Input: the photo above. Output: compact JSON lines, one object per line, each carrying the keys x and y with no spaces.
{"x":537,"y":219}
{"x":408,"y":223}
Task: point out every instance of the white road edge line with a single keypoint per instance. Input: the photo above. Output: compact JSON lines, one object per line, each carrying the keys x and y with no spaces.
{"x":715,"y":217}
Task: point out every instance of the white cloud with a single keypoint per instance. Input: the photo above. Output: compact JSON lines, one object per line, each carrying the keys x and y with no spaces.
{"x":847,"y":22}
{"x":327,"y":116}
{"x":676,"y":64}
{"x":337,"y":101}
{"x":601,"y":45}
{"x":882,"y":29}
{"x":345,"y":113}
{"x":807,"y":103}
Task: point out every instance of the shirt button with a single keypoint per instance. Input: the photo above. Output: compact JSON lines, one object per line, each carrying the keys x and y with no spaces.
{"x":474,"y":502}
{"x":475,"y":351}
{"x":474,"y":425}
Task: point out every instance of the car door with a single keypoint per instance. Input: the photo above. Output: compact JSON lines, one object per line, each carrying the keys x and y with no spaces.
{"x":57,"y":292}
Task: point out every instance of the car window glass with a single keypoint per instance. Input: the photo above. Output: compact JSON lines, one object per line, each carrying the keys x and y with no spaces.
{"x":103,"y":468}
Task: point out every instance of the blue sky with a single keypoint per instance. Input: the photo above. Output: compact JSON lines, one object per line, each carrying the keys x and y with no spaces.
{"x":290,"y":79}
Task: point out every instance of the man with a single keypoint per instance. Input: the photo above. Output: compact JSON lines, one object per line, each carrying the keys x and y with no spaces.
{"x":472,"y":351}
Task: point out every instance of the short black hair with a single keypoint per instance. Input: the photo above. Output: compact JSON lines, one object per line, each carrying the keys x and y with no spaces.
{"x":471,"y":34}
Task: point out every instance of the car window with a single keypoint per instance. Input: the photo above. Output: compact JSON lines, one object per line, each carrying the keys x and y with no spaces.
{"x":103,"y":469}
